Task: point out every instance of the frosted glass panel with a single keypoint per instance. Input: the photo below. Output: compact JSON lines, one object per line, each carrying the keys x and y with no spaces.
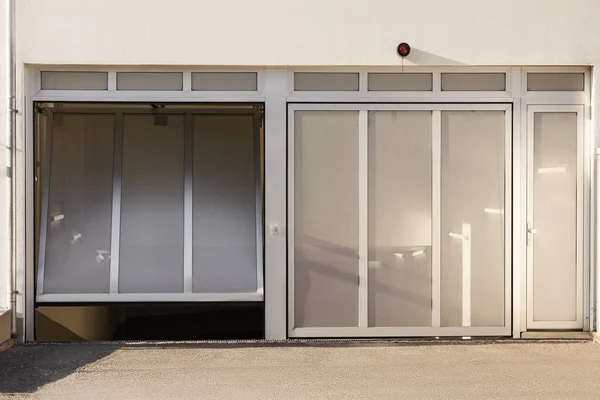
{"x":326,"y":218}
{"x":555,"y":82}
{"x":473,"y":82}
{"x":227,"y":81}
{"x":151,"y":257}
{"x":80,"y":204}
{"x":224,"y":228}
{"x":74,"y":80}
{"x":149,"y":81}
{"x":399,"y":218}
{"x":322,"y":81}
{"x":554,"y":217}
{"x":472,"y":234}
{"x":400,"y":82}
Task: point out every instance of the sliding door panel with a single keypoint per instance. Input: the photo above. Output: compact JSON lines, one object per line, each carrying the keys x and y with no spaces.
{"x":326,"y":218}
{"x":399,"y":202}
{"x":472,"y":219}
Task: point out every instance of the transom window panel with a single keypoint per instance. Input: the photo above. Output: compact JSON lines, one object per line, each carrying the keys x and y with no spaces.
{"x":478,"y":81}
{"x":226,"y":179}
{"x":326,"y":218}
{"x":151,"y":252}
{"x":149,"y":81}
{"x":392,"y":82}
{"x":324,"y":81}
{"x":226,"y":81}
{"x":74,"y":80}
{"x":559,"y":82}
{"x":78,"y":231}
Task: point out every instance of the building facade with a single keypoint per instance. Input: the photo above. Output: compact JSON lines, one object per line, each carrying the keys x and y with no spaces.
{"x":288,"y":153}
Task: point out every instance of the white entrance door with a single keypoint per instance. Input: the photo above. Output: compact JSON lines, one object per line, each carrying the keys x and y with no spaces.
{"x":555,"y":217}
{"x":399,"y":220}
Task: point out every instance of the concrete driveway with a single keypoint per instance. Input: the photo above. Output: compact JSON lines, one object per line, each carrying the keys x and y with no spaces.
{"x":303,"y":370}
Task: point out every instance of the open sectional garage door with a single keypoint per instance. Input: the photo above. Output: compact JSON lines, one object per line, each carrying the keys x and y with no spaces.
{"x":400,"y":220}
{"x":150,"y":203}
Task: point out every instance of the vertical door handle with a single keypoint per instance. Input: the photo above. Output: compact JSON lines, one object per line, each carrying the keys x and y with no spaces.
{"x":530,"y":231}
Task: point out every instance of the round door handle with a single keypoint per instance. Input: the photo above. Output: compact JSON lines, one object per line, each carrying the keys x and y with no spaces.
{"x":532,"y":230}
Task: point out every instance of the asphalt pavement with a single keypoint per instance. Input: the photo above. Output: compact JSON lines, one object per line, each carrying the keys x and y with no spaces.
{"x":303,"y":370}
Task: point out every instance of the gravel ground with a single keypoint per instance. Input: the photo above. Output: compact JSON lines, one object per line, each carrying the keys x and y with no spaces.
{"x":305,"y":370}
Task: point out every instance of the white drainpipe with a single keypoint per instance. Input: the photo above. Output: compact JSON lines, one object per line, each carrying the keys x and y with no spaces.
{"x":12,"y":108}
{"x":595,"y":227}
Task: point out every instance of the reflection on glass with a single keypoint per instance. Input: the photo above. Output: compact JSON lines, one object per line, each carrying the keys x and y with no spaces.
{"x":80,"y":204}
{"x":399,"y":234}
{"x":472,"y":253}
{"x":326,"y":218}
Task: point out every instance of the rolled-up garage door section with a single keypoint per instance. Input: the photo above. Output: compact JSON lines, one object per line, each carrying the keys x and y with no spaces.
{"x":145,"y":207}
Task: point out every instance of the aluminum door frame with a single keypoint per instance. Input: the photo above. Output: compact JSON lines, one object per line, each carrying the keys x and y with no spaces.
{"x":578,"y":323}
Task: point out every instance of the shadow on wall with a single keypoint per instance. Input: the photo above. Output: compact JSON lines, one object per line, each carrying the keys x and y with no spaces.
{"x":26,"y":368}
{"x":421,"y":57}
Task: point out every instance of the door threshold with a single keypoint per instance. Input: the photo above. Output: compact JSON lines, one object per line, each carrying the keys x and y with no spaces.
{"x":576,"y":335}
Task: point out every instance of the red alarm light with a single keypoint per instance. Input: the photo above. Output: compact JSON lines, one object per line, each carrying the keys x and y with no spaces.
{"x":403,"y":49}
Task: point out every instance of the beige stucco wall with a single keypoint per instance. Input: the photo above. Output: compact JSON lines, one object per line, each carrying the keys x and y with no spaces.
{"x":309,"y":32}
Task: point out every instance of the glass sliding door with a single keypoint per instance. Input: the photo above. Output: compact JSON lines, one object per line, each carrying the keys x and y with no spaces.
{"x":401,"y":220}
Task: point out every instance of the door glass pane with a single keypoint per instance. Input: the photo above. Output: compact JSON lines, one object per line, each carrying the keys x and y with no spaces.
{"x":326,"y":218}
{"x":399,"y":218}
{"x":80,"y":204}
{"x":224,"y":227}
{"x":555,"y":217}
{"x":472,"y":218}
{"x":151,"y":256}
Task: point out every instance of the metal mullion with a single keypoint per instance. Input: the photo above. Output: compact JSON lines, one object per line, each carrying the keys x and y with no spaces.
{"x":258,"y":192}
{"x":363,"y":219}
{"x":45,"y":204}
{"x":188,"y":203}
{"x":112,"y":81}
{"x":115,"y":237}
{"x":292,"y":225}
{"x":436,"y":182}
{"x":580,"y":223}
{"x":508,"y":214}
